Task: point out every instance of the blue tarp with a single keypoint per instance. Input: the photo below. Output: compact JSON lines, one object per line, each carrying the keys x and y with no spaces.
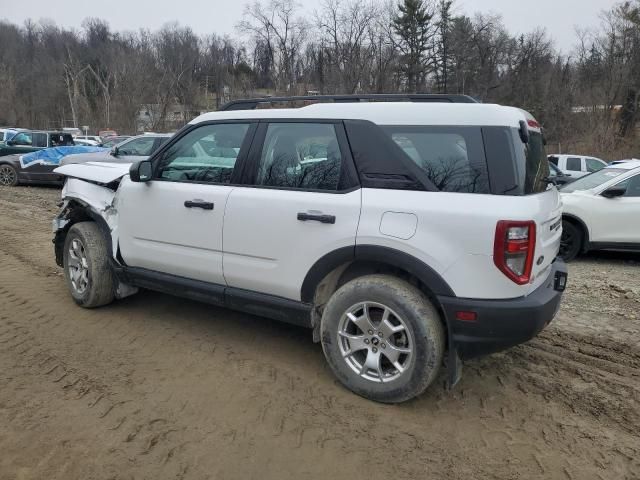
{"x":52,"y":156}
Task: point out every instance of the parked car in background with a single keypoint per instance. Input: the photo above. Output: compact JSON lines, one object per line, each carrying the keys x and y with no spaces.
{"x":558,"y":176}
{"x":113,"y":141}
{"x":31,"y":141}
{"x":107,"y":133}
{"x":602,"y":211}
{"x":129,"y":151}
{"x":577,"y":165}
{"x":37,"y":166}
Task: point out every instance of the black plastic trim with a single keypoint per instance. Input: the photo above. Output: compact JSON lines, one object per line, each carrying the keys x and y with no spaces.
{"x":253,"y":103}
{"x":501,"y":324}
{"x":614,"y":246}
{"x":270,"y":306}
{"x":374,"y":254}
{"x":586,"y":243}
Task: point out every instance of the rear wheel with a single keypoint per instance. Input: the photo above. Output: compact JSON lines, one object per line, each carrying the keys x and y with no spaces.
{"x":8,"y":176}
{"x":571,"y":241}
{"x":382,"y":338}
{"x":86,"y":266}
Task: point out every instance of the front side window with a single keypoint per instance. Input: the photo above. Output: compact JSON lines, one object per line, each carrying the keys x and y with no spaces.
{"x":24,"y":139}
{"x":633,"y":186}
{"x":574,"y":164}
{"x":553,"y":159}
{"x":452,"y":157}
{"x":594,"y":165}
{"x":300,"y":155}
{"x":206,"y":154}
{"x":139,"y":147}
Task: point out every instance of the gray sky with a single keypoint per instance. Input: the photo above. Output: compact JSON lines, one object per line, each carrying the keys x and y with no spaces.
{"x":560,"y":17}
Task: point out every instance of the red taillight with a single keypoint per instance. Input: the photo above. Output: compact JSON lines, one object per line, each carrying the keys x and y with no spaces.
{"x":513,"y":249}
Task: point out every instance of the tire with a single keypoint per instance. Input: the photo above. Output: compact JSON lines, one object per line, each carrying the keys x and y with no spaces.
{"x":571,"y":241}
{"x":86,"y":266}
{"x":360,"y":359}
{"x":8,"y":175}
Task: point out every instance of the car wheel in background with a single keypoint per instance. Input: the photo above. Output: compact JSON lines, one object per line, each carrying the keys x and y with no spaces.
{"x":86,"y":266}
{"x":571,"y":241}
{"x":8,"y":176}
{"x":382,"y":338}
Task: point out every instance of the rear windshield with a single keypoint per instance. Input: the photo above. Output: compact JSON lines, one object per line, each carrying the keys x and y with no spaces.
{"x":594,"y":180}
{"x":533,"y":165}
{"x":452,"y":157}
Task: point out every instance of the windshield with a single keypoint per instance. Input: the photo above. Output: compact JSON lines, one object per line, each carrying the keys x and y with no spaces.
{"x":594,"y":180}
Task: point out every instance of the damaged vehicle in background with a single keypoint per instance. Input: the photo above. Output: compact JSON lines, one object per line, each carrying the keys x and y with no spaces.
{"x":129,"y":151}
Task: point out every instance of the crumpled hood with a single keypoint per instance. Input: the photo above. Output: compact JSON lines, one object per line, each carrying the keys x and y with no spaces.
{"x":99,"y":172}
{"x":104,"y":156}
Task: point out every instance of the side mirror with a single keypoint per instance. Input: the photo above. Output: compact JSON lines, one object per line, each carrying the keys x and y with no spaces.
{"x":614,"y":192}
{"x":10,"y":143}
{"x":114,"y":152}
{"x":141,"y":171}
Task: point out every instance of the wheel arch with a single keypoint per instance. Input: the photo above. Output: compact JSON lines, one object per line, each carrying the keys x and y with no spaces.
{"x":74,"y":212}
{"x":583,"y":227}
{"x":340,"y":266}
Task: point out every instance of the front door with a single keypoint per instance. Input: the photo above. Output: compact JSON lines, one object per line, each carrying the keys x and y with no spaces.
{"x":302,"y":204}
{"x":173,"y":223}
{"x":617,"y":220}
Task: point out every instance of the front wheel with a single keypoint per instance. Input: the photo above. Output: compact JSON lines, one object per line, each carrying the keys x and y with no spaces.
{"x":86,"y":266}
{"x":8,"y":176}
{"x":382,"y":338}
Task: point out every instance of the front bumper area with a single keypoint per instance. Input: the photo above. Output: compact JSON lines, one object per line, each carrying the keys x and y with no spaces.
{"x":500,"y":324}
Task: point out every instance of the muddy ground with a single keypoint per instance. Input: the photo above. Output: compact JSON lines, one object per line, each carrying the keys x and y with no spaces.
{"x":156,"y":387}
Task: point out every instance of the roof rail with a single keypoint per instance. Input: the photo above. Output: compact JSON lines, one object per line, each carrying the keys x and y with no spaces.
{"x":254,"y":103}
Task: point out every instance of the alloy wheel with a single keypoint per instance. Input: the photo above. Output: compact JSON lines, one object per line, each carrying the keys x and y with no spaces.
{"x":375,"y":342}
{"x":7,"y":175}
{"x":78,"y":266}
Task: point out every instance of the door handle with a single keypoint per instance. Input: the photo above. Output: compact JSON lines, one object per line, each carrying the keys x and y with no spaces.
{"x":198,"y":204}
{"x":303,"y":217}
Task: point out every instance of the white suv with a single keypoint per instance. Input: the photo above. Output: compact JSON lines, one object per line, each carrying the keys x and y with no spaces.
{"x":396,"y":231}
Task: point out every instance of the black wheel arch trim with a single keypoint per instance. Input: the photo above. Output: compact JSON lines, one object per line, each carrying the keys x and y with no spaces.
{"x":375,"y":254}
{"x":74,"y":206}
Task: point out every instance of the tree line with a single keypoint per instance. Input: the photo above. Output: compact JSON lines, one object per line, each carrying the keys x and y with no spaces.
{"x":587,"y":99}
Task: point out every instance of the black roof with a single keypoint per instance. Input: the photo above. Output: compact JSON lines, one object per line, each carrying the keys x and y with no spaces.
{"x":254,"y":103}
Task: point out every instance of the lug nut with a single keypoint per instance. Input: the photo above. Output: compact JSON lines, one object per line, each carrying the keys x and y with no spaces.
{"x":370,"y":332}
{"x":374,"y":350}
{"x":380,"y":334}
{"x":366,"y":340}
{"x":384,"y":345}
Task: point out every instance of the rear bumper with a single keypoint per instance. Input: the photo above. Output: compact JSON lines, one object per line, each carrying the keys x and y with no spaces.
{"x":501,"y":324}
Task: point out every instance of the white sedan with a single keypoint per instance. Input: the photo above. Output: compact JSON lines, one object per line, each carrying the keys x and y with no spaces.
{"x":602,"y":211}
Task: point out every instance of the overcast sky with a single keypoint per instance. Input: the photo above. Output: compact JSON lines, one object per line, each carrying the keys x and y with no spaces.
{"x":559,"y":17}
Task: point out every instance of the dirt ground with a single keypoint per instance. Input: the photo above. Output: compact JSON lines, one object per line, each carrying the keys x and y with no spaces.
{"x":155,"y":387}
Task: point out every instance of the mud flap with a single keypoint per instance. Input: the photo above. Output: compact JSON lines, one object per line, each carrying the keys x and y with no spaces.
{"x":454,"y":368}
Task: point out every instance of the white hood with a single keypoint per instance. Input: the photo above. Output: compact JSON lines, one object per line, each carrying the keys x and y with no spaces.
{"x":100,"y":172}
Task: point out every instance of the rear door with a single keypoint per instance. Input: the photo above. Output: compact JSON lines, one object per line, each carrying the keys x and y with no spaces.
{"x":301,"y":202}
{"x":173,"y":223}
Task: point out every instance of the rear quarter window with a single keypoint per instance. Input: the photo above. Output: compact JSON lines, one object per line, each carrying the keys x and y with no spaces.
{"x":451,"y":157}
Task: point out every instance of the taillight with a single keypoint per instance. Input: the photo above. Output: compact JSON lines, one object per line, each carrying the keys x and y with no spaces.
{"x":513,"y":249}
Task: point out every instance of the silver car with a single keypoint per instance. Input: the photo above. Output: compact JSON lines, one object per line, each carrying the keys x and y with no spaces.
{"x":129,"y":151}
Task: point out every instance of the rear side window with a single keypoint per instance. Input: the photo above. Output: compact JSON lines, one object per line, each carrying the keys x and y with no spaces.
{"x":300,"y":155}
{"x":451,"y":157}
{"x":574,"y":164}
